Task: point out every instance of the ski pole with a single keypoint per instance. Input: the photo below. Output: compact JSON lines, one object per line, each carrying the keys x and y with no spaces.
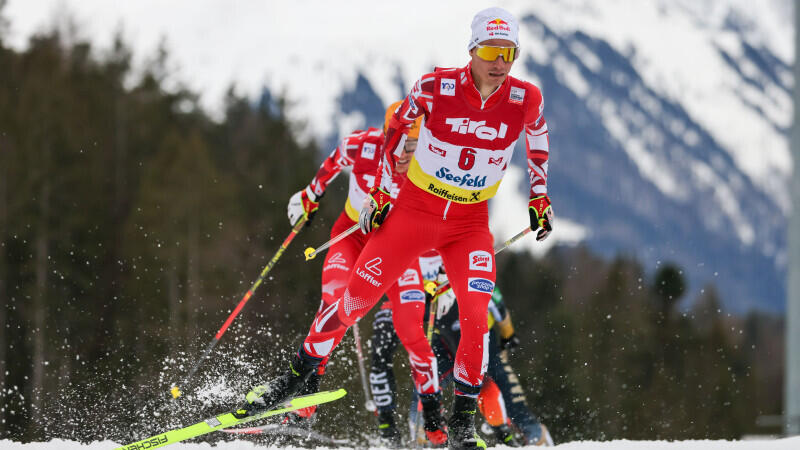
{"x":446,"y":285}
{"x":176,"y":392}
{"x":513,"y":239}
{"x":311,"y":252}
{"x":370,"y":405}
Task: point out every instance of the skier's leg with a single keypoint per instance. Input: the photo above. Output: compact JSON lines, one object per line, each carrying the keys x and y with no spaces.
{"x":491,"y":405}
{"x":495,"y":403}
{"x":335,"y":272}
{"x":444,"y":363}
{"x":471,"y":272}
{"x":339,"y":261}
{"x":469,"y":259}
{"x":382,"y":381}
{"x":408,"y":305}
{"x":383,"y":259}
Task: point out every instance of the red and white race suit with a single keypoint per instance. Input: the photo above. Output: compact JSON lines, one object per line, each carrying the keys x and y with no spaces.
{"x":465,"y":145}
{"x":362,"y":151}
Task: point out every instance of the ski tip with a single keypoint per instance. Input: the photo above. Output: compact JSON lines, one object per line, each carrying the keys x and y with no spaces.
{"x":175,"y":392}
{"x":310,"y":253}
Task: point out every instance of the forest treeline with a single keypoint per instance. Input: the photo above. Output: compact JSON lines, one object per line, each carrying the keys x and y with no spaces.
{"x":131,"y":223}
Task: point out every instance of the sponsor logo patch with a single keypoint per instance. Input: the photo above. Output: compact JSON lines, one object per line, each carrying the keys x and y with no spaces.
{"x":464,"y":125}
{"x":152,"y":442}
{"x":368,"y":151}
{"x":498,"y":27}
{"x":495,"y":161}
{"x":368,"y":278}
{"x":446,"y":194}
{"x":336,"y":262}
{"x":372,"y":265}
{"x":439,"y":151}
{"x":447,"y":86}
{"x":409,"y":277}
{"x":480,"y":260}
{"x":517,"y":95}
{"x":413,"y":295}
{"x":460,"y":180}
{"x":337,"y":267}
{"x":480,"y":285}
{"x":337,"y":258}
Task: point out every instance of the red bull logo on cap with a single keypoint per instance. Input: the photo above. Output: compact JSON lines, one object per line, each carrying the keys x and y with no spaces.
{"x":498,"y":25}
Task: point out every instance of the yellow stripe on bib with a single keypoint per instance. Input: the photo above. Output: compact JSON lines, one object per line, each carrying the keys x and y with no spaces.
{"x":351,"y":212}
{"x":439,"y":188}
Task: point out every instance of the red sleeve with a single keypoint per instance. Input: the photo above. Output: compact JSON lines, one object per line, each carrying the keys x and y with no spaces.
{"x":342,"y":156}
{"x":417,"y":103}
{"x":537,"y":142}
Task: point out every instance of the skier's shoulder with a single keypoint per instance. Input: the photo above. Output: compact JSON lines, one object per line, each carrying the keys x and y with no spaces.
{"x":531,"y":93}
{"x":370,"y":135}
{"x":427,"y":81}
{"x":530,"y":96}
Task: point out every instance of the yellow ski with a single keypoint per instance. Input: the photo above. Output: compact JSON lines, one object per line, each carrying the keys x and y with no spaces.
{"x":228,"y":420}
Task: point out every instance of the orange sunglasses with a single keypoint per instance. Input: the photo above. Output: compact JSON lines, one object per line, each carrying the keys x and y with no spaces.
{"x":490,"y":53}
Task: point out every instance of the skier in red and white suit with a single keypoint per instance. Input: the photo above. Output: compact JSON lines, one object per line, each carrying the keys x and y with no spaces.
{"x":362,"y":151}
{"x":472,"y":118}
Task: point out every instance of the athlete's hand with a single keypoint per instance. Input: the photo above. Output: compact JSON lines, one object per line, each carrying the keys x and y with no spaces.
{"x":541,"y":216}
{"x":444,"y":302}
{"x":302,"y":204}
{"x":376,"y":207}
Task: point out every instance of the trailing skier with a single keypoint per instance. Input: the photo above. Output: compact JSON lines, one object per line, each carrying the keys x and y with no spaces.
{"x":361,"y":151}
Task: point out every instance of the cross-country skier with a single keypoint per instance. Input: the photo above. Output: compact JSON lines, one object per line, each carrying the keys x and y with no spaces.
{"x":473,"y":117}
{"x":361,"y":151}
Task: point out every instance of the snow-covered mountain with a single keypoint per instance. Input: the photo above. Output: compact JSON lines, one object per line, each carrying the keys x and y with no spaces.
{"x":669,"y":119}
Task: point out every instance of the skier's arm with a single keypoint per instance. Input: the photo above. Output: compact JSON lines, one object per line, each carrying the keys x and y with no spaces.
{"x":304,"y":203}
{"x":537,"y":143}
{"x":417,"y":103}
{"x":341,"y":157}
{"x":379,"y":201}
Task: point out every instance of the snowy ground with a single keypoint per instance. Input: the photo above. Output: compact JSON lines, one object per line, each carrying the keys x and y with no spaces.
{"x":778,"y":444}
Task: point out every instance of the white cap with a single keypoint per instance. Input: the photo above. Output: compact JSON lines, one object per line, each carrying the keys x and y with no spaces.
{"x":494,"y":23}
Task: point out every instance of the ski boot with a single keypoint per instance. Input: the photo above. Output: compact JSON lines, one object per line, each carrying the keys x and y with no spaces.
{"x":266,"y":396}
{"x":387,"y":428}
{"x":304,"y":418}
{"x":435,"y":424}
{"x":461,"y":426}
